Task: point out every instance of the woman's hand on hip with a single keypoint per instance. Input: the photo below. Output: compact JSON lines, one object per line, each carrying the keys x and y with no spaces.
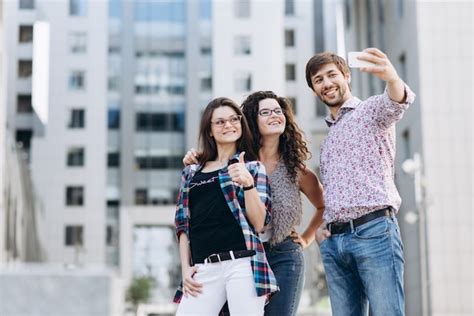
{"x":190,"y":286}
{"x":299,"y":239}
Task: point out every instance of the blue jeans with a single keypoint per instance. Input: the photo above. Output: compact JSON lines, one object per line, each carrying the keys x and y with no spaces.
{"x":287,"y":262}
{"x":364,"y":269}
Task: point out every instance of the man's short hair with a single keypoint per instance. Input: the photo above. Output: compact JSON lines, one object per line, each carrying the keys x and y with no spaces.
{"x":319,"y":60}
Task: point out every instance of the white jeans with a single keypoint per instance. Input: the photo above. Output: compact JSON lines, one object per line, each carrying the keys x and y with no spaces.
{"x":230,"y":280}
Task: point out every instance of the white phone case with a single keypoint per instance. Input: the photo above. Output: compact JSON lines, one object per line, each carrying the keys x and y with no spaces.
{"x":356,"y":63}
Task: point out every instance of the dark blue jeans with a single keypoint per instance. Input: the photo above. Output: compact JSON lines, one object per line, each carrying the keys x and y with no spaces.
{"x":365,"y":266}
{"x":287,"y":262}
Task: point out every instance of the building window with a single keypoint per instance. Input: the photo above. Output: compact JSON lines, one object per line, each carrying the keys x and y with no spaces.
{"x":161,"y":201}
{"x":113,"y":159}
{"x":74,"y":235}
{"x":141,"y":196}
{"x":242,"y":8}
{"x":159,"y":122}
{"x":403,"y":67}
{"x":381,"y":27}
{"x":347,"y":12}
{"x":75,"y":157}
{"x":77,"y":7}
{"x":290,"y":72}
{"x":400,"y":7}
{"x":289,"y":7}
{"x":243,"y":82}
{"x":113,"y":118}
{"x":110,"y":236}
{"x":154,"y":196}
{"x":77,"y":118}
{"x":74,"y":196}
{"x":160,"y":11}
{"x":242,"y":45}
{"x":78,"y":42}
{"x":290,"y":38}
{"x":115,"y":8}
{"x":406,"y":144}
{"x":381,"y":11}
{"x":293,"y":104}
{"x":175,"y":89}
{"x":206,"y":50}
{"x":206,"y":84}
{"x":158,"y":162}
{"x":23,"y":138}
{"x":114,"y":49}
{"x":27,"y":4}
{"x":25,"y":68}
{"x":113,"y":203}
{"x":112,"y":83}
{"x":23,"y":103}
{"x":141,"y":88}
{"x":25,"y":34}
{"x":205,"y":10}
{"x":76,"y":80}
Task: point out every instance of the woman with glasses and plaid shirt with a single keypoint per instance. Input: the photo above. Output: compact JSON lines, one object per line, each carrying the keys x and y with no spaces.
{"x":283,"y":151}
{"x":223,"y":204}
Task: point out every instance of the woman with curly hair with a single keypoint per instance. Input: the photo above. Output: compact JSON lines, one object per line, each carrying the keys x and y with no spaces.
{"x":283,"y":151}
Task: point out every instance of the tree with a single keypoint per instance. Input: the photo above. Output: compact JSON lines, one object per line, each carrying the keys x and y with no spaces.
{"x":139,"y":291}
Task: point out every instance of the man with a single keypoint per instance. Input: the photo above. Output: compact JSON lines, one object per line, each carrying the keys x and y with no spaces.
{"x":360,"y":245}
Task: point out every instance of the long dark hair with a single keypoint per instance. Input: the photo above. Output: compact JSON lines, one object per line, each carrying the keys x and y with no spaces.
{"x":292,"y":147}
{"x":208,"y":144}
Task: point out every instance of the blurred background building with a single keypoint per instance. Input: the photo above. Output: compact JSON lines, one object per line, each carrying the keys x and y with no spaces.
{"x":19,"y":209}
{"x":101,"y":99}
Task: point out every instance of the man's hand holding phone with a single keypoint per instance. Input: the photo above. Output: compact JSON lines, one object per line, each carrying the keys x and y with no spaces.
{"x":374,"y":61}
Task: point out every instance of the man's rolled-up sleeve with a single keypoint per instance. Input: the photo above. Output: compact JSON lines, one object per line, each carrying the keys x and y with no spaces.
{"x":387,"y":111}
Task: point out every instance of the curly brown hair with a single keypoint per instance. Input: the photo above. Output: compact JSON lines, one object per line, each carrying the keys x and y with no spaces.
{"x":292,"y":147}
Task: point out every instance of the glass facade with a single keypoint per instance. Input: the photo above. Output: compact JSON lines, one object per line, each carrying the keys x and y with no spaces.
{"x":160,"y":11}
{"x":159,"y":92}
{"x":148,"y":98}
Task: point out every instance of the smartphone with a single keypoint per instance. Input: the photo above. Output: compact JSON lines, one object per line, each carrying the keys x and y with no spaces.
{"x":356,"y":63}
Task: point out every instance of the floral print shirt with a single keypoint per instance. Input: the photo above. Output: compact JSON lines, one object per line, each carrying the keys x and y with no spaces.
{"x":357,"y":157}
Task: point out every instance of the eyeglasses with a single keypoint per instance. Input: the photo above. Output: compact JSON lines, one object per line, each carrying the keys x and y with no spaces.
{"x":234,"y":120}
{"x":268,"y":112}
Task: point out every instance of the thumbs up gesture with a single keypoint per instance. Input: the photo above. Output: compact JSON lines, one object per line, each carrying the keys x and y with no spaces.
{"x":239,"y":173}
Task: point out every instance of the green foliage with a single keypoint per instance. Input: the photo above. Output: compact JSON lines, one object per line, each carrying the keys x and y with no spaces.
{"x":139,"y":290}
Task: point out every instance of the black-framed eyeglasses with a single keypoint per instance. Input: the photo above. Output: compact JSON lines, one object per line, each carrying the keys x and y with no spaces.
{"x":234,"y":120}
{"x":268,"y":112}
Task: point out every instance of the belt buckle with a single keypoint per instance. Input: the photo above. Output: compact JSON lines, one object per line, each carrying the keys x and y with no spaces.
{"x":352,"y":224}
{"x":336,"y":226}
{"x":330,"y":227}
{"x":214,"y":255}
{"x":339,"y":227}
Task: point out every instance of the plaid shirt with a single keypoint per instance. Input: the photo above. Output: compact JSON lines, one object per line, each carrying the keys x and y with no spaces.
{"x":265,"y":282}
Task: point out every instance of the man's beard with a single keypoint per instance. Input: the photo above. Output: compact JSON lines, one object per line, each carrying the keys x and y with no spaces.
{"x":341,"y":91}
